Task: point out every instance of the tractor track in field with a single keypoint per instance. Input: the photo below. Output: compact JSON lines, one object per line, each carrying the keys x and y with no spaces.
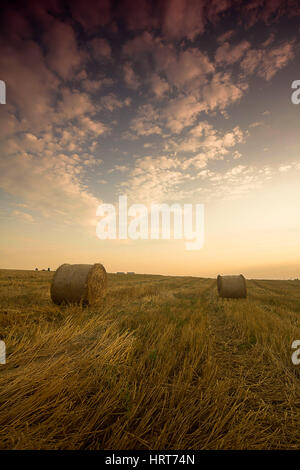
{"x":267,"y":295}
{"x":225,"y":338}
{"x":267,"y":289}
{"x":250,"y":380}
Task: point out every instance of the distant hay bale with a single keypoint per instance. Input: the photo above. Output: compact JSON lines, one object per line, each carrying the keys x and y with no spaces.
{"x":233,"y":287}
{"x":79,"y":283}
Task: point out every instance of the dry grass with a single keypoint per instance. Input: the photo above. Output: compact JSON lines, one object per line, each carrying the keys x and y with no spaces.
{"x":165,"y":364}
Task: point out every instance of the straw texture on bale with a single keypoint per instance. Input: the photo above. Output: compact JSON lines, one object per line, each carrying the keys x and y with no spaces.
{"x":79,"y":283}
{"x":232,"y":287}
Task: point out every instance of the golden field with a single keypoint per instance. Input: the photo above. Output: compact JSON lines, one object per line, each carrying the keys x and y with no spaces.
{"x":164,"y":364}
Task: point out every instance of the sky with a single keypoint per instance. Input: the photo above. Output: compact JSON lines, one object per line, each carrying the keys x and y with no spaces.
{"x":164,"y":101}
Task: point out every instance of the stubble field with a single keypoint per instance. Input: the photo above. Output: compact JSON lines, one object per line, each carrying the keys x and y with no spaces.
{"x":164,"y":364}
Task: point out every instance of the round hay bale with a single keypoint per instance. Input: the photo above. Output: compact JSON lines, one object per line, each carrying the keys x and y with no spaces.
{"x":79,"y":283}
{"x":232,"y":287}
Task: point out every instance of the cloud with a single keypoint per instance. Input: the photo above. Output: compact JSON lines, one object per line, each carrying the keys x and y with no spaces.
{"x":9,"y":124}
{"x":191,"y":72}
{"x":140,"y":45}
{"x":237,"y":181}
{"x":265,"y":63}
{"x":121,"y":168}
{"x":31,"y":86}
{"x":63,"y":55}
{"x":266,"y":11}
{"x":15,"y":25}
{"x":24,"y":216}
{"x":213,"y":144}
{"x":72,"y":104}
{"x":92,"y":126}
{"x":100,"y":48}
{"x":152,"y":180}
{"x":225,"y":36}
{"x":91,"y":86}
{"x":159,"y":86}
{"x":236,"y":155}
{"x":49,"y":185}
{"x":146,"y":122}
{"x":219,"y":93}
{"x":130,"y":77}
{"x":229,"y":54}
{"x":181,"y":68}
{"x":111,"y":102}
{"x":189,"y":65}
{"x":137,"y":15}
{"x":90,"y":14}
{"x":284,"y":168}
{"x":183,"y":18}
{"x":162,"y":178}
{"x":181,"y":112}
{"x":222,"y":91}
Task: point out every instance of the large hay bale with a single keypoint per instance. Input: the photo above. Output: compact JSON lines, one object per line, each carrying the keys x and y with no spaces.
{"x":233,"y":287}
{"x":79,"y":283}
